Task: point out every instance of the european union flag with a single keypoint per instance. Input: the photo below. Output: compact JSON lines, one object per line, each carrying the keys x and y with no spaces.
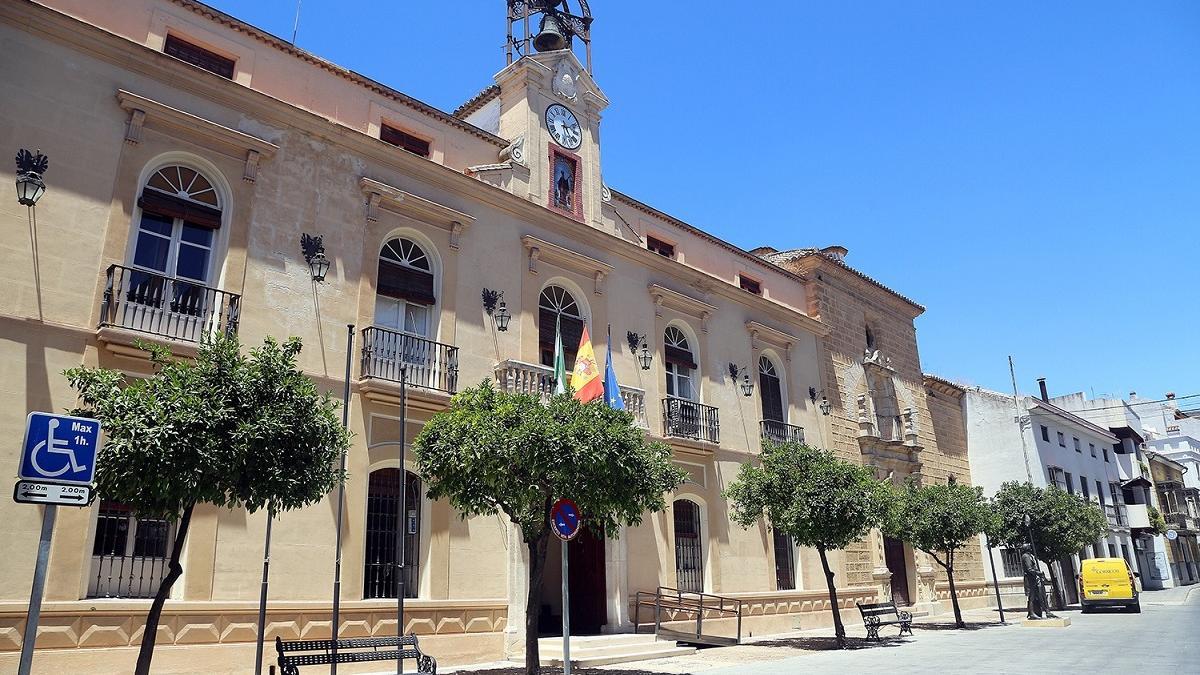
{"x":612,"y":391}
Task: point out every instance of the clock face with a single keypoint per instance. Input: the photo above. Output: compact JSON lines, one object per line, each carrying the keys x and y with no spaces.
{"x":564,"y":128}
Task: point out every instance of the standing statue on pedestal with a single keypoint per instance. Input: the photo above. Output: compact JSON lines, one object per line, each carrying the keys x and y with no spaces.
{"x":1035,"y":586}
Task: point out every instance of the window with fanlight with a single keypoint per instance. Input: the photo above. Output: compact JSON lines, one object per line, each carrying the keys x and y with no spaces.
{"x":404,"y":297}
{"x":173,"y":249}
{"x":558,"y":310}
{"x":680,"y":364}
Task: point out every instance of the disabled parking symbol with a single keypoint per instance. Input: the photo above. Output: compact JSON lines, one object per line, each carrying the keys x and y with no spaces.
{"x":60,"y":448}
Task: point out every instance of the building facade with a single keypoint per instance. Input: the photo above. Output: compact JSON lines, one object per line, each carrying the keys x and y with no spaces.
{"x":191,"y":157}
{"x":1136,"y":423}
{"x":1034,"y":440}
{"x":1180,"y":507}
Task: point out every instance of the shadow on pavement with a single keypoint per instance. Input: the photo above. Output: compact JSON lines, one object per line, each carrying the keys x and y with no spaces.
{"x":828,"y":643}
{"x":970,"y":625}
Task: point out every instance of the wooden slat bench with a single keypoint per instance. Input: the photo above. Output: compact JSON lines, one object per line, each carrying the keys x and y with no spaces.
{"x":354,"y":650}
{"x":882,"y":614}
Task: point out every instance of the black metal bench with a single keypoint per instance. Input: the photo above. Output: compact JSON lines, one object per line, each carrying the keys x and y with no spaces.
{"x":354,"y":650}
{"x":880,"y":614}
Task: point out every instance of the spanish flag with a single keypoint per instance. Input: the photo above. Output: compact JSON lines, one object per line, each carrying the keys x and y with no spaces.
{"x":585,"y":380}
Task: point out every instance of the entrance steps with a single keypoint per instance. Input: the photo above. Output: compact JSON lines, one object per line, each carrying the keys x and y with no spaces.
{"x":603,"y":650}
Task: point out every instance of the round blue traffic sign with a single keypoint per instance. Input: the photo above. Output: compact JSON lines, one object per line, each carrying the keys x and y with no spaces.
{"x":565,"y":519}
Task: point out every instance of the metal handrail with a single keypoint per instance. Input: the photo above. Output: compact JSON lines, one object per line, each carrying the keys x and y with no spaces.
{"x":780,"y":432}
{"x":686,"y":602}
{"x":684,"y":418}
{"x":430,"y":364}
{"x":153,"y":303}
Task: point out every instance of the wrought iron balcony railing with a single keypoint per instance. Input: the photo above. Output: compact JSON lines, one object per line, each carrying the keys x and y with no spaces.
{"x":687,"y":419}
{"x":780,"y":432}
{"x":156,"y":304}
{"x":527,"y":378}
{"x":1180,"y":520}
{"x":430,"y":365}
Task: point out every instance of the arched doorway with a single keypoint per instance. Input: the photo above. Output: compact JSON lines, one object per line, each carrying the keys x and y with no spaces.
{"x":587,"y":581}
{"x":379,"y":559}
{"x":689,"y":549}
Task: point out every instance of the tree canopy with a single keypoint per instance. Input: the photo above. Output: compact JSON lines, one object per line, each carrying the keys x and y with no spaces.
{"x":939,"y":520}
{"x":495,"y":452}
{"x":1061,"y":523}
{"x":813,"y":497}
{"x":225,"y":429}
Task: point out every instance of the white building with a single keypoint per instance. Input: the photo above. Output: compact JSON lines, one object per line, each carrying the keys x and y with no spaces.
{"x":1034,"y":440}
{"x":1146,"y":428}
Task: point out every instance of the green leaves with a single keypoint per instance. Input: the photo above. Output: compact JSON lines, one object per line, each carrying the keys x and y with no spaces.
{"x":224,"y":429}
{"x":939,"y":518}
{"x":1061,"y":522}
{"x":809,"y":494}
{"x":493,"y":451}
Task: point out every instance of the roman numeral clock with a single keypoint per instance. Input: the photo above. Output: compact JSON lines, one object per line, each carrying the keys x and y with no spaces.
{"x":564,"y":128}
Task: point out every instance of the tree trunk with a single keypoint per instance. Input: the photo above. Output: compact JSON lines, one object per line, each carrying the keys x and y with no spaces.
{"x":1060,"y":601}
{"x":533,"y":601}
{"x":958,"y":620}
{"x":175,"y":570}
{"x":838,"y":629}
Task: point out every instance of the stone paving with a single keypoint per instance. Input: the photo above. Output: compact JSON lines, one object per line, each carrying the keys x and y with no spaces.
{"x":1162,"y":639}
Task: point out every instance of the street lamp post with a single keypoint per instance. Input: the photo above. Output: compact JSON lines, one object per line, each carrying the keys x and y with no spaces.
{"x":402,"y":515}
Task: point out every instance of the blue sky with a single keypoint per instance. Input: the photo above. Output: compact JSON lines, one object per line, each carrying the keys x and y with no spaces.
{"x":1029,"y":171}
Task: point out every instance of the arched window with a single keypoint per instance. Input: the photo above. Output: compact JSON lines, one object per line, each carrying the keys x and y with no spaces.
{"x":383,"y":500}
{"x":689,"y":550}
{"x":165,"y":289}
{"x":680,"y":364}
{"x":557,"y":306}
{"x":404,"y":297}
{"x":770,"y":391}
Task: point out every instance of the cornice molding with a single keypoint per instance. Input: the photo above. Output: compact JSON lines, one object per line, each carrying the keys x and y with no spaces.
{"x":145,"y":111}
{"x":772,"y":336}
{"x":542,"y":250}
{"x":381,"y":195}
{"x":665,"y":297}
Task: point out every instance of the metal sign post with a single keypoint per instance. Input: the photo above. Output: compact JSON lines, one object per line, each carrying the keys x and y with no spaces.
{"x":566,"y":523}
{"x":58,"y":465}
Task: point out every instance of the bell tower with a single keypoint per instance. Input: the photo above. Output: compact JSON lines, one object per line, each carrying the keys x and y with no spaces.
{"x":550,"y":106}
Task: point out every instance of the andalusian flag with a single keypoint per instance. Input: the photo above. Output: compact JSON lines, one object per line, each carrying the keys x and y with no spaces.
{"x":560,"y":361}
{"x":586,"y":379}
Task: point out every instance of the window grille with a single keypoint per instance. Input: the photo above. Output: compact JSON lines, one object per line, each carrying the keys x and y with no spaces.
{"x":129,"y":554}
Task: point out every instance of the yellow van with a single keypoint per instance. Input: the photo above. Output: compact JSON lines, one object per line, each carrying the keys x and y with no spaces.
{"x":1107,"y":582}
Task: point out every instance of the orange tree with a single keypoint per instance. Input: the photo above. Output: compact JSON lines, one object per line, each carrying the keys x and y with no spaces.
{"x":227,"y":429}
{"x":494,"y":452}
{"x":813,"y":497}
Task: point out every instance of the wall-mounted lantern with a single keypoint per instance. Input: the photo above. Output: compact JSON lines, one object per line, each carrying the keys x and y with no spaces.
{"x":314,"y":255}
{"x":639,"y":349}
{"x":826,"y":406}
{"x":30,"y":168}
{"x":494,"y":305}
{"x":747,"y":385}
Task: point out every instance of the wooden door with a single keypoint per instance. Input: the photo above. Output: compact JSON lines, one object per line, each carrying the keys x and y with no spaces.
{"x":589,"y":610}
{"x":893,"y":553}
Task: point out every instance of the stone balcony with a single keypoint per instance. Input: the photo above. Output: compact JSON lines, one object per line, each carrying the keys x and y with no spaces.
{"x":520,"y":377}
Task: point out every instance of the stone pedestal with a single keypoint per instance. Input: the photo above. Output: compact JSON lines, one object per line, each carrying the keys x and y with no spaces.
{"x":1061,"y":622}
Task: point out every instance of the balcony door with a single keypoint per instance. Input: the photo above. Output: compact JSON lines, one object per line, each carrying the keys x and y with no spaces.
{"x":404,"y":316}
{"x":558,"y":310}
{"x":166,"y":289}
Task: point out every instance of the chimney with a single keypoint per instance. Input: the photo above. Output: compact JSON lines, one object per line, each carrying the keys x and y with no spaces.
{"x":1042,"y":387}
{"x":1133,"y":396}
{"x":1170,"y":396}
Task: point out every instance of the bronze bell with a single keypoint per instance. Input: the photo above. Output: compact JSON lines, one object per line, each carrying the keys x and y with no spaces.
{"x":551,"y":35}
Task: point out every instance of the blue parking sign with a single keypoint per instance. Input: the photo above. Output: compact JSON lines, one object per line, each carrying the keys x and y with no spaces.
{"x":60,"y":449}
